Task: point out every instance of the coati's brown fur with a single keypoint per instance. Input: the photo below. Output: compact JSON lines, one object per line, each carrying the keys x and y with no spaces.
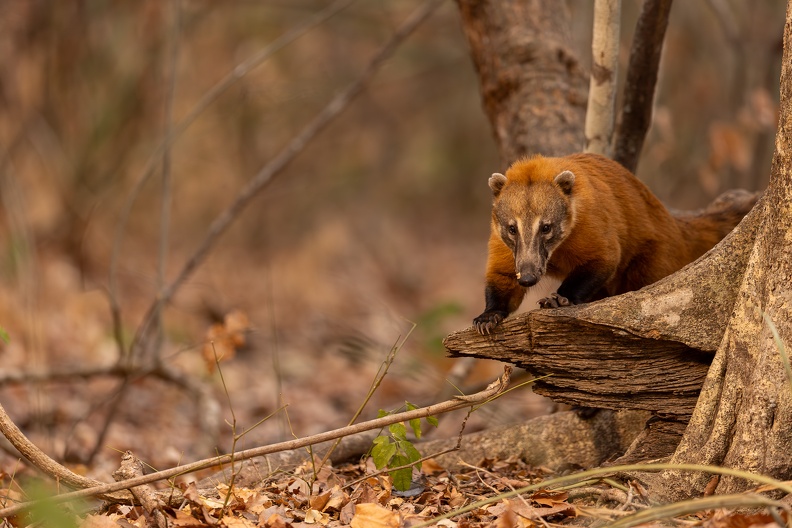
{"x":587,"y":221}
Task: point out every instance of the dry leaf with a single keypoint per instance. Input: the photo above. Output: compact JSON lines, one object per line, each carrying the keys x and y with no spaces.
{"x":347,"y":513}
{"x":318,"y":502}
{"x":431,"y":467}
{"x":549,"y":498}
{"x":191,"y":493}
{"x":299,"y":488}
{"x":236,"y":522}
{"x":316,"y":517}
{"x":223,"y":340}
{"x":529,"y":512}
{"x":258,"y":503}
{"x":99,"y":521}
{"x":275,"y":521}
{"x":338,"y":498}
{"x":212,"y":504}
{"x":726,"y":519}
{"x":374,"y":516}
{"x":507,"y":518}
{"x":184,"y":519}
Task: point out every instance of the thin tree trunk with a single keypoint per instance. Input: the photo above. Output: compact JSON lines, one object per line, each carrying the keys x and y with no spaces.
{"x":604,"y":69}
{"x":640,"y":82}
{"x":533,"y":89}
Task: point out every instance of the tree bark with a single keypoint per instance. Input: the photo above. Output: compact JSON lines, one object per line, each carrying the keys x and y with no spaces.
{"x":640,"y":82}
{"x":532,"y":86}
{"x":600,"y":113}
{"x":744,"y":416}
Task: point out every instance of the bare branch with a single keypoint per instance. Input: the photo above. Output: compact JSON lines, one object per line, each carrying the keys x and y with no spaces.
{"x":604,"y":70}
{"x":494,"y":389}
{"x":132,"y":467}
{"x":173,"y":35}
{"x":337,"y":105}
{"x":640,"y":83}
{"x":173,"y":62}
{"x":42,"y":461}
{"x":239,"y":72}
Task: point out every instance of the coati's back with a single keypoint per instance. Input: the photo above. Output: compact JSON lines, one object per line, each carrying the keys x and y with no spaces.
{"x":619,"y":220}
{"x":657,"y":242}
{"x":704,"y":228}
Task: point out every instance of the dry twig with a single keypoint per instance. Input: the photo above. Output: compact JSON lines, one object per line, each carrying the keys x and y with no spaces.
{"x":275,"y":166}
{"x":104,"y":490}
{"x":132,"y":467}
{"x":239,"y":72}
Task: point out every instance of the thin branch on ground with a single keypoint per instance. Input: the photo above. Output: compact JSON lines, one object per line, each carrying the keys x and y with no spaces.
{"x":376,"y":382}
{"x":598,"y":472}
{"x":103,"y":490}
{"x":457,"y":447}
{"x":47,"y":465}
{"x":640,"y":82}
{"x":132,"y":467}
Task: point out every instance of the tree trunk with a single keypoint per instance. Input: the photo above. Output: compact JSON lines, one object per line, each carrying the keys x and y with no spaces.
{"x":532,"y":86}
{"x":640,"y":83}
{"x":729,"y":301}
{"x":744,"y":415}
{"x":604,"y":69}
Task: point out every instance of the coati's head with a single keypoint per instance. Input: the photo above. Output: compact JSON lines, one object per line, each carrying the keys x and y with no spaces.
{"x":533,"y":213}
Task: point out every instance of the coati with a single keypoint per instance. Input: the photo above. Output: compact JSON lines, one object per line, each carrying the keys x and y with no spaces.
{"x":589,"y":222}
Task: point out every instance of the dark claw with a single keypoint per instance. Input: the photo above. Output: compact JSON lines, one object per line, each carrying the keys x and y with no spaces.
{"x":554,"y":301}
{"x":486,"y":322}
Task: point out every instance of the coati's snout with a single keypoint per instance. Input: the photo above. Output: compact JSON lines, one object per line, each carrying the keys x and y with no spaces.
{"x":527,"y":279}
{"x":528,"y":269}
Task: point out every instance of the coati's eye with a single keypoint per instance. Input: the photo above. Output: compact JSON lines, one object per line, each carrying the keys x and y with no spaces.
{"x":545,"y":229}
{"x":512,"y":229}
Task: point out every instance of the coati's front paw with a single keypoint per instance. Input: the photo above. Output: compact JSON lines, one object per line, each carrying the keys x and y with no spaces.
{"x":554,"y":301}
{"x":486,"y":322}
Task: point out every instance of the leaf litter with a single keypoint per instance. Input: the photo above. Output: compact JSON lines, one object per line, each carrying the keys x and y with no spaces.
{"x":298,"y":500}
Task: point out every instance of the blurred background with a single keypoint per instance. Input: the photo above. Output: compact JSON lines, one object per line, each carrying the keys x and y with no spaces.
{"x":379,"y":225}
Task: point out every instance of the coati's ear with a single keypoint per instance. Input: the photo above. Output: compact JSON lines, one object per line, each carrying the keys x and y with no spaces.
{"x":496,"y":183}
{"x":565,"y":180}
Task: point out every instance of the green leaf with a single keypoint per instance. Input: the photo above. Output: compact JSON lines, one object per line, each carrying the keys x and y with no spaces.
{"x":382,"y":413}
{"x":383,"y":454}
{"x":4,"y":335}
{"x":398,"y":430}
{"x":413,"y":455}
{"x":432,"y":420}
{"x":415,"y":423}
{"x":402,"y":478}
{"x":380,"y":439}
{"x":410,"y":406}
